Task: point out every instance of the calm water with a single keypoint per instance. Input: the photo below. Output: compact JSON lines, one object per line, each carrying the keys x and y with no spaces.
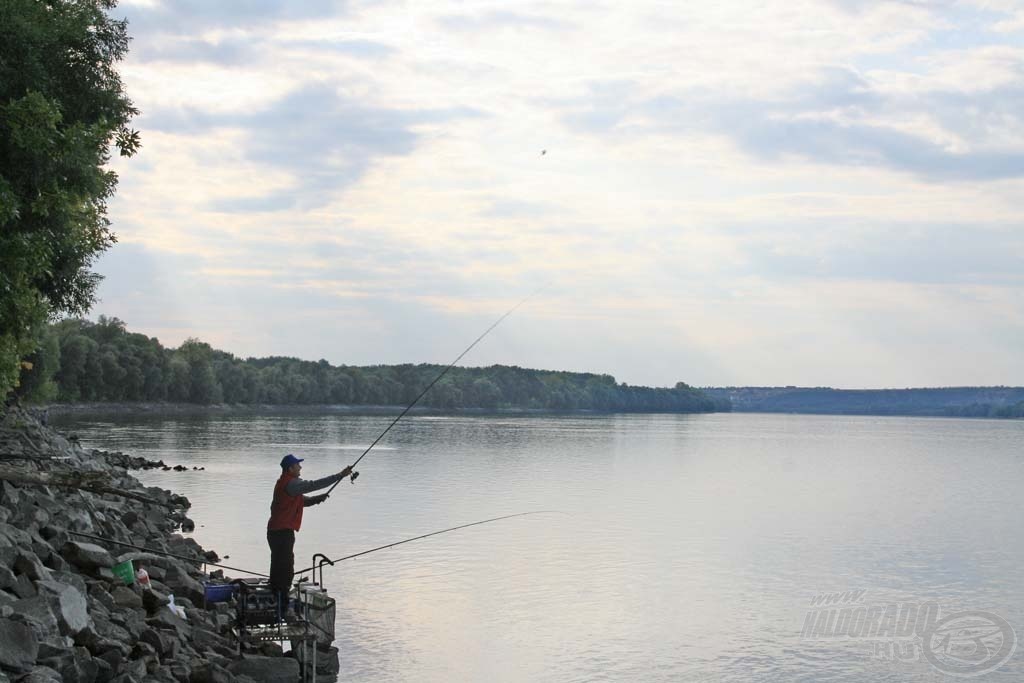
{"x":690,"y":547}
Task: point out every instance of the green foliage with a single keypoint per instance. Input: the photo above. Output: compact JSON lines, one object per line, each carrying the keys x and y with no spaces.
{"x":62,"y":106}
{"x":36,"y":382}
{"x":102,"y":361}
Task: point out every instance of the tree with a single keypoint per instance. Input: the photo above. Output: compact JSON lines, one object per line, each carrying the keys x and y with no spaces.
{"x":36,"y":382}
{"x":62,"y":107}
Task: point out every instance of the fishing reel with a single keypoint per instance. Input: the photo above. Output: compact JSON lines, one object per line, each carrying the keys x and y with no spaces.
{"x":352,"y":477}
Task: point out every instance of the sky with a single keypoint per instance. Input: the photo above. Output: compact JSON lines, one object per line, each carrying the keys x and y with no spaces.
{"x":809,"y":192}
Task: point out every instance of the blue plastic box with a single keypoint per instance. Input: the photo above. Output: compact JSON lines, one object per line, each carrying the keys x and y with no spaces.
{"x":218,"y":592}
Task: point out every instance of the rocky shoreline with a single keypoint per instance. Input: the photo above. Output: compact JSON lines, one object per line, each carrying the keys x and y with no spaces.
{"x":66,"y":616}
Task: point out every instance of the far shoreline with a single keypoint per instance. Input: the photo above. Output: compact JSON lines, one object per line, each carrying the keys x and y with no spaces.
{"x":198,"y":410}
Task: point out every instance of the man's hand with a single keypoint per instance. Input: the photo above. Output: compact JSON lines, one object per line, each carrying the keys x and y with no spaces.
{"x":316,"y":500}
{"x":345,"y":472}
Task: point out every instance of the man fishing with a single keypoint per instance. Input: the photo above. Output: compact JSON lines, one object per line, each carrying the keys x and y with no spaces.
{"x":285,"y":520}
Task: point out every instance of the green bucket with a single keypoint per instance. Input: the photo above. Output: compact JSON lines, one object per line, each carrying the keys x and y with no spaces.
{"x":124,"y":571}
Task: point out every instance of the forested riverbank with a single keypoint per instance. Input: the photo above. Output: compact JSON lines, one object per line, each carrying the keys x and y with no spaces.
{"x":79,"y":361}
{"x":994,"y":402}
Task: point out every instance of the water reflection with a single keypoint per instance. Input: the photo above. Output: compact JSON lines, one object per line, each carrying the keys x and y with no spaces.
{"x":690,"y":551}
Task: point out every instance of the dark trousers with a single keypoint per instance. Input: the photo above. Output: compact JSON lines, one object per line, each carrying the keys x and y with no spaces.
{"x":282,"y":563}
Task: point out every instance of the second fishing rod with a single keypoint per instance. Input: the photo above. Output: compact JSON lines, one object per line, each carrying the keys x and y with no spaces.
{"x":423,"y":393}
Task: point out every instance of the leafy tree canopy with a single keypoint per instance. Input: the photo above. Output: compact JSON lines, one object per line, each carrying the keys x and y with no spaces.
{"x":62,"y":109}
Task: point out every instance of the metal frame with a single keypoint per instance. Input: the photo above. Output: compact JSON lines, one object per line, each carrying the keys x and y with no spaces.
{"x":278,"y":631}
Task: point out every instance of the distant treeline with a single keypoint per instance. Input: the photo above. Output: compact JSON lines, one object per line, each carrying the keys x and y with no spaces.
{"x":82,"y":361}
{"x":943,"y":402}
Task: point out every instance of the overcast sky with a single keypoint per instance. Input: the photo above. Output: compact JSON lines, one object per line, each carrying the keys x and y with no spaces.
{"x":789,"y":192}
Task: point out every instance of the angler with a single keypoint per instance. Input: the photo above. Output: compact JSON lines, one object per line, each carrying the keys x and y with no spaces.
{"x":286,"y":519}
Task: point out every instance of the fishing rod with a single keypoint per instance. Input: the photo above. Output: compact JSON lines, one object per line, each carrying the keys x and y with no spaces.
{"x":433,"y":533}
{"x":423,"y":393}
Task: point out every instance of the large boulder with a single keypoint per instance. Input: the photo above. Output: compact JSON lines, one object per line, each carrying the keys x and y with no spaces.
{"x":69,"y":605}
{"x":19,"y":646}
{"x":266,"y":669}
{"x":37,"y":613}
{"x":88,"y":556}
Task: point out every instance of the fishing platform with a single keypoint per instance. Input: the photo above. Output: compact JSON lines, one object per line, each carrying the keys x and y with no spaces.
{"x":306,"y":623}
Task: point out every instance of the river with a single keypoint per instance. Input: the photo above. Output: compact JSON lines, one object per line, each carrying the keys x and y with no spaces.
{"x":684,"y":548}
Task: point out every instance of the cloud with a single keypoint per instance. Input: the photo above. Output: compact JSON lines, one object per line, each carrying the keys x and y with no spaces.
{"x":325,"y":140}
{"x":928,"y":254}
{"x":839,"y":117}
{"x":191,"y":17}
{"x":501,"y":19}
{"x":515,"y":208}
{"x":227,"y":51}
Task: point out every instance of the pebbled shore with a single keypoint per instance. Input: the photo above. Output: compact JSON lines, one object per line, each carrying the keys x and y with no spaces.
{"x":65,"y":616}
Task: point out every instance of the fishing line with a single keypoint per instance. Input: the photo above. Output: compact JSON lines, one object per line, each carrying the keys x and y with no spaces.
{"x":433,"y":533}
{"x":435,"y":381}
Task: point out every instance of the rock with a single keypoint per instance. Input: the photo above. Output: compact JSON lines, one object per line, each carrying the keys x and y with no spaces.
{"x":163,"y":644}
{"x":86,"y":667}
{"x":70,"y":606}
{"x":103,"y":670}
{"x":180,"y":671}
{"x":59,"y":662}
{"x":206,"y":640}
{"x":38,"y":615}
{"x":100,"y":595}
{"x":48,"y":649}
{"x":7,"y":577}
{"x":125,"y":597}
{"x":184,"y":585}
{"x":23,"y":587}
{"x":41,"y":674}
{"x":208,"y":672}
{"x":89,"y":637}
{"x":143,"y":650}
{"x":132,"y":619}
{"x":157,"y":573}
{"x":88,"y":556}
{"x":113,"y":658}
{"x":153,"y":600}
{"x":166,"y":620}
{"x":56,"y":563}
{"x":70,"y":578}
{"x":108,"y":630}
{"x":266,"y":669}
{"x":19,"y":646}
{"x":27,"y":564}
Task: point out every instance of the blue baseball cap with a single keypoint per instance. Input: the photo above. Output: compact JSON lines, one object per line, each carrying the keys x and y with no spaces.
{"x":289,"y":460}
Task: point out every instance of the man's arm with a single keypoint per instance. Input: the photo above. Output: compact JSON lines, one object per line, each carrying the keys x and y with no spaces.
{"x":299,"y":486}
{"x":313,"y":500}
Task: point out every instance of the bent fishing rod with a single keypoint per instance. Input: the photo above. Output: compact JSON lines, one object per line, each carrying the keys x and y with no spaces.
{"x":433,"y":533}
{"x":423,"y":393}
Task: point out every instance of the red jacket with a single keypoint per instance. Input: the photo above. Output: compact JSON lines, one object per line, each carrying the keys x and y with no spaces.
{"x":285,"y":510}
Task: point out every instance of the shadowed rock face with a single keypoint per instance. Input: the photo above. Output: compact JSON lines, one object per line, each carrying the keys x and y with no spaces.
{"x":19,"y":646}
{"x":65,"y":615}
